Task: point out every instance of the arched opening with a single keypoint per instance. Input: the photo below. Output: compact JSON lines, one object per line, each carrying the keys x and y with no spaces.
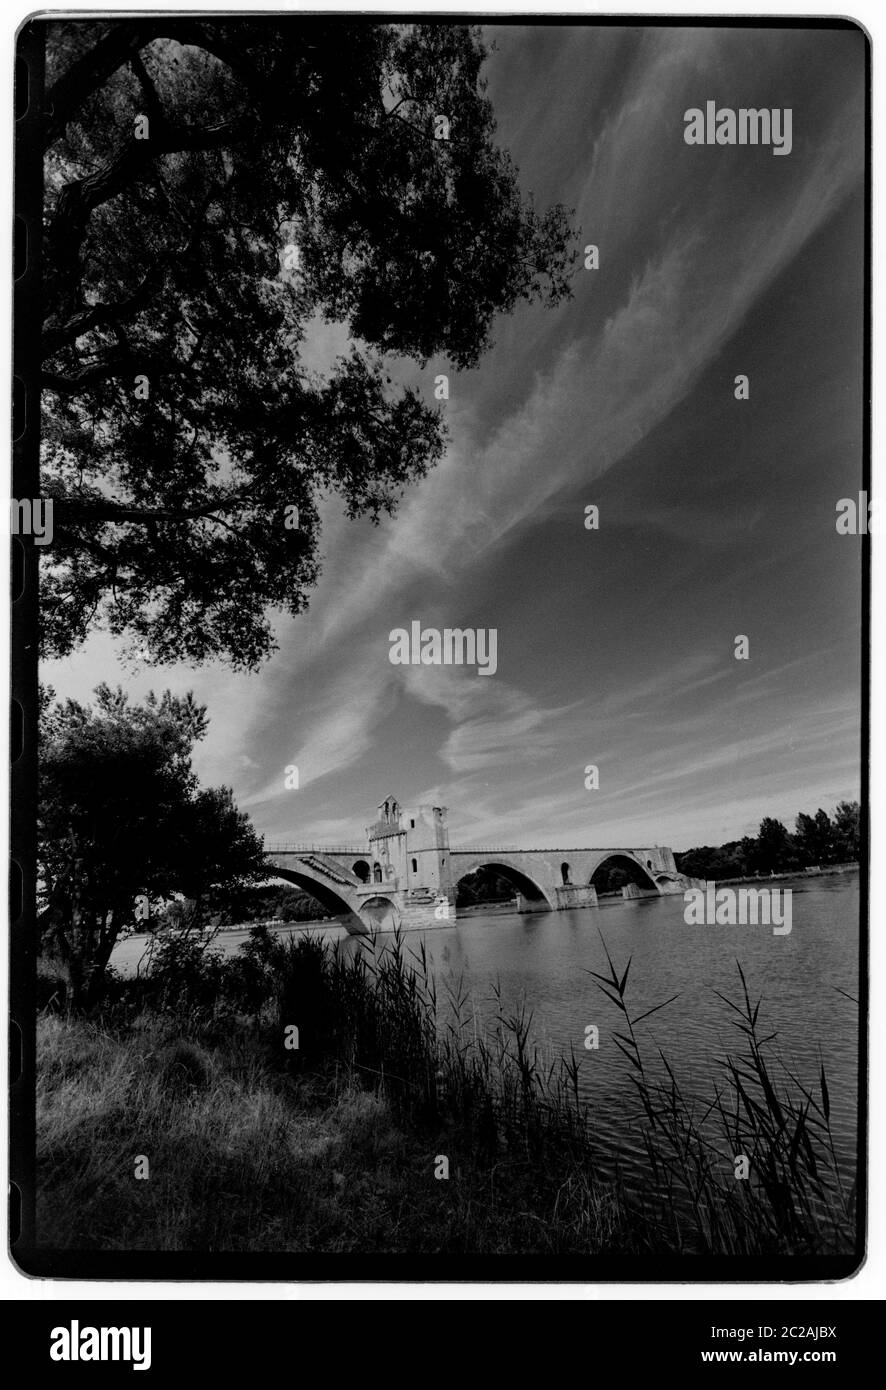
{"x":496,"y":884}
{"x":333,"y":907}
{"x":361,"y":869}
{"x":415,"y":866}
{"x":380,"y":914}
{"x":616,"y":872}
{"x":564,"y":873}
{"x":376,"y":872}
{"x":649,"y":863}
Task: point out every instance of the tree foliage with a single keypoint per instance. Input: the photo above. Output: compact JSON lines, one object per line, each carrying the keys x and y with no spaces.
{"x":289,"y":175}
{"x":123,"y":822}
{"x":268,"y":903}
{"x":484,"y":885}
{"x":818,"y":840}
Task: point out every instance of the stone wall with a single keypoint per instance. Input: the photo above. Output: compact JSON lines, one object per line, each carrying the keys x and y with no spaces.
{"x":419,"y":913}
{"x":576,"y":895}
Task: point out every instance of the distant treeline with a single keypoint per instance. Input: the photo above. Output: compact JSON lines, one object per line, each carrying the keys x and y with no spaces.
{"x":483,"y":886}
{"x":272,"y":903}
{"x":277,"y":902}
{"x":817,"y":840}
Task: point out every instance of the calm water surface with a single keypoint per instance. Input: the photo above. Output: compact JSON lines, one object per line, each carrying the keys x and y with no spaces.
{"x":544,"y":959}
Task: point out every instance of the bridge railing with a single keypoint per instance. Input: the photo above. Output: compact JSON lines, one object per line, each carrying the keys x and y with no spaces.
{"x":488,"y":849}
{"x":290,"y":847}
{"x":541,"y":849}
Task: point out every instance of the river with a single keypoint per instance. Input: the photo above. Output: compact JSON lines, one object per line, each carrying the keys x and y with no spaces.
{"x":545,"y":958}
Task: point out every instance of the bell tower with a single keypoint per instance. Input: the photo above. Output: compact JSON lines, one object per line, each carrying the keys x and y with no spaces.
{"x":409,"y":846}
{"x":427,"y":849}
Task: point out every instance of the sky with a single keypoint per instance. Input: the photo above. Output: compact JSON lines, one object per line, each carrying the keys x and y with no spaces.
{"x":616,"y":646}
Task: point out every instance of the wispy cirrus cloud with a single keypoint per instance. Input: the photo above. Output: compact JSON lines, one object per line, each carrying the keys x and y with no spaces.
{"x":491,"y":719}
{"x":332,"y":735}
{"x":608,"y":388}
{"x":693,"y":243}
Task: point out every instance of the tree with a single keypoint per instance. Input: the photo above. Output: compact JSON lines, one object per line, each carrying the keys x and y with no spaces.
{"x":774,"y":850}
{"x":847,"y":831}
{"x":272,"y":901}
{"x":484,"y":885}
{"x":727,"y":861}
{"x":611,"y":879}
{"x":122,"y":821}
{"x":214,"y":191}
{"x":815,"y":838}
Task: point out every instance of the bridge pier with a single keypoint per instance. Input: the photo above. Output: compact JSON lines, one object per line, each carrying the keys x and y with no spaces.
{"x":525,"y":904}
{"x":576,"y":895}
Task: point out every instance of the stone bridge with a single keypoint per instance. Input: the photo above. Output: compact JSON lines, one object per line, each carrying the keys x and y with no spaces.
{"x":406,"y":875}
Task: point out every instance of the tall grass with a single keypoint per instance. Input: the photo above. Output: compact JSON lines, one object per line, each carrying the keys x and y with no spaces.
{"x":335,"y":1144}
{"x":788,"y":1196}
{"x":238,"y":1160}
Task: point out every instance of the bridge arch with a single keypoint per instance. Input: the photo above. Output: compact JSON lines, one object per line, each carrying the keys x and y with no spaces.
{"x":528,"y":887}
{"x":341,"y":904}
{"x":380,"y":913}
{"x":634,"y":867}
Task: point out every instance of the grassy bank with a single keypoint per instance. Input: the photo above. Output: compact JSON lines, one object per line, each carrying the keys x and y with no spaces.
{"x":387,"y":1130}
{"x":826,"y":871}
{"x":243,"y":1159}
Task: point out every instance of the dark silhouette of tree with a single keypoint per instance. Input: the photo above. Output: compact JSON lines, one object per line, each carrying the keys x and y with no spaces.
{"x":484,"y":885}
{"x":215,"y":191}
{"x":122,"y":821}
{"x":818,"y":840}
{"x":613,"y":877}
{"x":815,"y":838}
{"x":275,"y":903}
{"x":726,"y":861}
{"x":773,"y":851}
{"x":847,"y":831}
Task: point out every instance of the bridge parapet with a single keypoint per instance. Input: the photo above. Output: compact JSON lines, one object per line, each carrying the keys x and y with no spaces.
{"x":290,"y":847}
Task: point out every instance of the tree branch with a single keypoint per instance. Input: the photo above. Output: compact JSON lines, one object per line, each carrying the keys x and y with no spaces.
{"x":79,"y":199}
{"x":98,"y":314}
{"x":152,"y":99}
{"x":91,"y":71}
{"x":107,"y":370}
{"x":65,"y":508}
{"x":117,"y":47}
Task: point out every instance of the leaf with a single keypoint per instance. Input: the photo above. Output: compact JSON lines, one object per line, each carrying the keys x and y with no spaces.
{"x":624,"y":978}
{"x":634,"y":1060}
{"x":656,"y":1009}
{"x":613,"y":998}
{"x":795,"y":1141}
{"x":825,"y":1097}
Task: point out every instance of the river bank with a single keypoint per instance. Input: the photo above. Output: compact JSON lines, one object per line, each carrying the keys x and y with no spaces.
{"x":825,"y":872}
{"x":243,"y":1158}
{"x":292,"y":1097}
